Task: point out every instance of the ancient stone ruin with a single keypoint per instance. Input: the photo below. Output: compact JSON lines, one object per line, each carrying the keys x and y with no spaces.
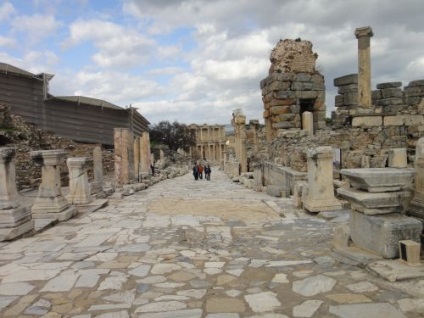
{"x":372,"y":137}
{"x":294,"y":86}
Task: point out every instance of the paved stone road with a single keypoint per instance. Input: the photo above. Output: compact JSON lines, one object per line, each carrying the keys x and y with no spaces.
{"x":188,"y":249}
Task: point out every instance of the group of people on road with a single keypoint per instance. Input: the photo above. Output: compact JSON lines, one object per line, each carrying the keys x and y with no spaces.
{"x":200,"y":169}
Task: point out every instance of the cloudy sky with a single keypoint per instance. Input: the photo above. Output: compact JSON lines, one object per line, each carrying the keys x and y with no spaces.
{"x":195,"y":61}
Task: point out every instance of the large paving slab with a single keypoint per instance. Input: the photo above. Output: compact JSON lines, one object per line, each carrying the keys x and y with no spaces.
{"x":194,"y":249}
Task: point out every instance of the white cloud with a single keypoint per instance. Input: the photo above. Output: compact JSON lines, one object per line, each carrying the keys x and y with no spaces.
{"x":36,"y":26}
{"x":7,"y":10}
{"x":118,"y":46}
{"x":6,"y":41}
{"x":116,"y":87}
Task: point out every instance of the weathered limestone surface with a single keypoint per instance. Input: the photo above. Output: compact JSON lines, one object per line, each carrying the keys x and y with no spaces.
{"x":79,"y":189}
{"x":239,"y":124}
{"x":379,"y":179}
{"x":416,"y":207}
{"x":398,"y":158}
{"x":372,"y":203}
{"x":381,"y":234}
{"x":50,"y":202}
{"x":124,"y":157}
{"x":308,"y":122}
{"x":15,"y":219}
{"x":145,"y":155}
{"x":292,"y":87}
{"x":320,"y":194}
{"x":97,"y":183}
{"x":377,"y":222}
{"x":363,"y":35}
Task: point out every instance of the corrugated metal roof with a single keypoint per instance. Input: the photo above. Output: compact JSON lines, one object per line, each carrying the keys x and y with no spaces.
{"x":7,"y":68}
{"x":87,"y":101}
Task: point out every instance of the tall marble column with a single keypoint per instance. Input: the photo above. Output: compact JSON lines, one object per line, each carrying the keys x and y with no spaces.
{"x":320,"y":192}
{"x":79,"y":190}
{"x":50,"y":202}
{"x":364,"y":35}
{"x":15,"y":219}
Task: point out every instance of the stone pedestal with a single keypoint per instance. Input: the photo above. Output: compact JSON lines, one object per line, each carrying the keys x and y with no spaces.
{"x":79,"y":190}
{"x":381,"y":234}
{"x":378,"y":200}
{"x":15,"y":219}
{"x":50,"y":202}
{"x":320,"y":194}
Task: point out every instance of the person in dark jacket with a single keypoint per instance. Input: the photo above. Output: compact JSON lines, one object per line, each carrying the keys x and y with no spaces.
{"x":195,"y":172}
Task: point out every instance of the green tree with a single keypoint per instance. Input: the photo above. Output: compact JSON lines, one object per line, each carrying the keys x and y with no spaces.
{"x":175,"y":136}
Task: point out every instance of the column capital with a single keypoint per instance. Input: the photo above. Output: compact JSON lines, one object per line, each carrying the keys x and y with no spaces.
{"x":363,"y":32}
{"x":48,"y":157}
{"x":7,"y":154}
{"x":79,"y":162}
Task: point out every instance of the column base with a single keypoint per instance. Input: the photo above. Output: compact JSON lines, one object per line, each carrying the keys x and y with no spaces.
{"x":14,"y":217}
{"x":312,"y":205}
{"x":7,"y":234}
{"x":70,"y":212}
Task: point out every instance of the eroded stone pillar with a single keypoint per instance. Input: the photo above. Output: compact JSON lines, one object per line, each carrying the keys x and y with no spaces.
{"x":50,"y":202}
{"x":79,"y":189}
{"x":97,"y":183}
{"x":137,"y":158}
{"x":416,"y":207}
{"x":145,"y":155}
{"x":15,"y":219}
{"x":364,"y":35}
{"x":308,"y":122}
{"x":124,"y":157}
{"x":320,"y":193}
{"x":239,"y":124}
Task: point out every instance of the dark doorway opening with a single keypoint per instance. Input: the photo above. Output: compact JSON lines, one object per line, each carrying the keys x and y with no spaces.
{"x":306,"y":105}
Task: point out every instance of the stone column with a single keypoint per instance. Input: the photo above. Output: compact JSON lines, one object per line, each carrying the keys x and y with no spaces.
{"x":137,"y":158}
{"x":239,"y":124}
{"x":79,"y":190}
{"x":50,"y":202}
{"x":363,"y":35}
{"x":15,"y":219}
{"x":254,"y":123}
{"x":145,"y":159}
{"x":320,"y":192}
{"x":97,"y":183}
{"x":124,"y":162}
{"x":308,"y":122}
{"x":416,"y":207}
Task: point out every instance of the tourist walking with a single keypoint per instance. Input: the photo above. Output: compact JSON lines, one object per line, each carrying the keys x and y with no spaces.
{"x":200,"y":169}
{"x":208,"y":172}
{"x":195,"y":172}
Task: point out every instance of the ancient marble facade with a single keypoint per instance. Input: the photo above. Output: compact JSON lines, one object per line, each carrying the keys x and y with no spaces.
{"x":210,"y":142}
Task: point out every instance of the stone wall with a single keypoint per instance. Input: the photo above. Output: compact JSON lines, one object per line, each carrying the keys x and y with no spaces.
{"x":292,"y":87}
{"x":25,"y":138}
